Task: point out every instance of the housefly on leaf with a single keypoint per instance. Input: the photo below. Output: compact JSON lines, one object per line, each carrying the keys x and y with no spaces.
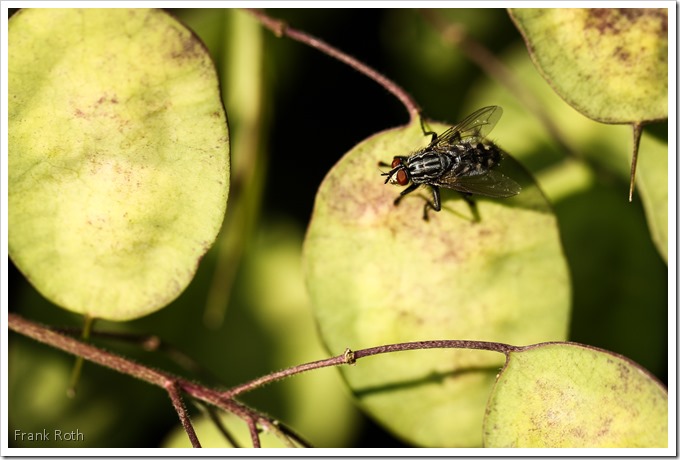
{"x":456,"y":159}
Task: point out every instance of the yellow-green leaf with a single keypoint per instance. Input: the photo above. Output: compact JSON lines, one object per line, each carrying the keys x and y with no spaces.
{"x":611,"y":64}
{"x":653,"y":182}
{"x":379,"y":274}
{"x":571,"y":395}
{"x":118,"y":157}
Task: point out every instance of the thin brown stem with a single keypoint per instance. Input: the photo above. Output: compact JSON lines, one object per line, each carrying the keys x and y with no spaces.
{"x":254,"y":434}
{"x":147,"y":342}
{"x":180,"y":408}
{"x":150,"y":343}
{"x":350,"y":357}
{"x":44,"y":335}
{"x":281,"y":29}
{"x":273,"y":377}
{"x":467,"y":344}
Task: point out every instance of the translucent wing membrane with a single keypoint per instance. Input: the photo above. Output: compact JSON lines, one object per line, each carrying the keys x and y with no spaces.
{"x":492,"y":183}
{"x":473,"y":128}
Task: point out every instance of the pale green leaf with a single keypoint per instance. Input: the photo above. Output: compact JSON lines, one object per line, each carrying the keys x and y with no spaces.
{"x":611,"y":64}
{"x":379,"y":274}
{"x":118,"y":157}
{"x":571,"y":395}
{"x":652,"y":174}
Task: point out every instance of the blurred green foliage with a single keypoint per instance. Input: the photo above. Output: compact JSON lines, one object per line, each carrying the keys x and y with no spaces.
{"x":314,"y":109}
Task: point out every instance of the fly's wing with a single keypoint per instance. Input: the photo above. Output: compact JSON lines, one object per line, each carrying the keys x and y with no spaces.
{"x":474,"y":128}
{"x":492,"y":183}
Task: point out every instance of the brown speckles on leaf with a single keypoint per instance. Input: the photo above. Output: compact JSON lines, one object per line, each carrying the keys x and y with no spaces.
{"x":186,"y":46}
{"x":601,"y":19}
{"x":406,"y":316}
{"x":621,"y":53}
{"x":663,"y":21}
{"x":620,"y":20}
{"x":605,"y":427}
{"x":106,"y":98}
{"x":631,"y":13}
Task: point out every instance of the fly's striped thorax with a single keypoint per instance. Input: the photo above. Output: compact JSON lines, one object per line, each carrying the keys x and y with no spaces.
{"x":427,"y":165}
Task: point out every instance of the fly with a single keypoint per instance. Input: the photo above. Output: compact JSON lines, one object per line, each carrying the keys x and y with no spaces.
{"x":458,"y":160}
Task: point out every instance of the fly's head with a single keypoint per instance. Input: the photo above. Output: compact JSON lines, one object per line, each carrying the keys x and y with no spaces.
{"x":399,"y":174}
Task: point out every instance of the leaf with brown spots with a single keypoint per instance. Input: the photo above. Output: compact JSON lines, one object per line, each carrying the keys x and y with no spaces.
{"x":118,"y":157}
{"x":572,"y":395}
{"x":378,"y":274}
{"x":610,"y":64}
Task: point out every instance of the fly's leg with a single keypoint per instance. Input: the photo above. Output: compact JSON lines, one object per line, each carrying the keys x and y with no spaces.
{"x":436,"y":202}
{"x":468,"y":199}
{"x":410,"y":189}
{"x":472,"y":204}
{"x":427,"y":132}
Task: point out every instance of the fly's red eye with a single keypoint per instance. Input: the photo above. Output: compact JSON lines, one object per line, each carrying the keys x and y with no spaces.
{"x":396,"y":162}
{"x":402,"y":177}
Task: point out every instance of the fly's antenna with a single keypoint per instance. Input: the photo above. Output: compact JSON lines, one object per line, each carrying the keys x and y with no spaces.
{"x":391,"y":173}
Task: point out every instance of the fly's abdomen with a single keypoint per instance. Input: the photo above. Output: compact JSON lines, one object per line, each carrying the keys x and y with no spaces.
{"x":475,"y":159}
{"x":427,"y":166}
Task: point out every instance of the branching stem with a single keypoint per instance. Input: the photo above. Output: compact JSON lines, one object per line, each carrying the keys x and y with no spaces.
{"x":225,"y":399}
{"x":180,"y":408}
{"x":171,"y":383}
